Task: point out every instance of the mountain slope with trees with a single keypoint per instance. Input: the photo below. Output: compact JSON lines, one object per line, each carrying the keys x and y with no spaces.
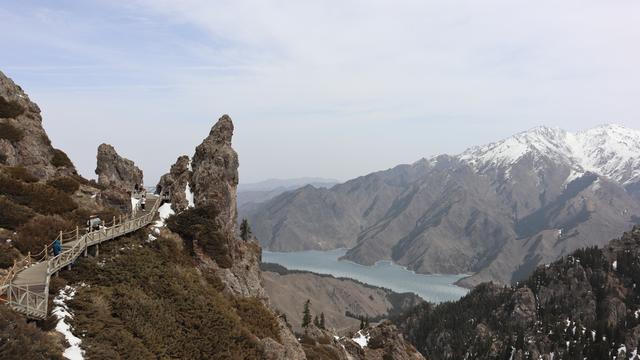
{"x":584,"y":306}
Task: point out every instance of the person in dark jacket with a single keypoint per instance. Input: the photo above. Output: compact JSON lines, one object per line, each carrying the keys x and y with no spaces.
{"x":57,"y":247}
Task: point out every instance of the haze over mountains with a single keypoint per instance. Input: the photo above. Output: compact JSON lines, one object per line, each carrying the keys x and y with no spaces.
{"x":497,"y":210}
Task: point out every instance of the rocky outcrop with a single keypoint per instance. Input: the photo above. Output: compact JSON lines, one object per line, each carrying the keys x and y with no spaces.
{"x":386,"y":342}
{"x":115,"y":171}
{"x":211,"y":178}
{"x":215,"y":173}
{"x":23,"y":141}
{"x":383,"y":341}
{"x":176,"y":183}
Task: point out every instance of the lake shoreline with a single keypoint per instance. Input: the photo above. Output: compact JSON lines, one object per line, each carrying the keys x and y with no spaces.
{"x":433,"y":288}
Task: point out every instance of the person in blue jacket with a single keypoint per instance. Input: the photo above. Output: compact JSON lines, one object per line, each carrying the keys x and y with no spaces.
{"x":57,"y":247}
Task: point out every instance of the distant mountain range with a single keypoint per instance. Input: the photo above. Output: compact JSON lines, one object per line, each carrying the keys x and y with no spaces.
{"x":252,"y":194}
{"x":497,"y":210}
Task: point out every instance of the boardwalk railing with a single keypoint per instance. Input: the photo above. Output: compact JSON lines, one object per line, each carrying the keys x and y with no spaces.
{"x":31,"y":299}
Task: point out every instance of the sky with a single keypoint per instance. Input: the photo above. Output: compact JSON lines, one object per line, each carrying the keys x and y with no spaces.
{"x":333,"y":89}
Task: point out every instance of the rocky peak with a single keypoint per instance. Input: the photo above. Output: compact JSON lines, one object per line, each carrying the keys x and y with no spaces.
{"x":214,"y":180}
{"x":607,"y":150}
{"x":115,"y":171}
{"x":23,"y":140}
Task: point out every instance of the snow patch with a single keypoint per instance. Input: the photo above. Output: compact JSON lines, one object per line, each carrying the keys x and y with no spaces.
{"x":189,"y":195}
{"x":164,"y":212}
{"x":615,"y":265}
{"x":62,"y":313}
{"x":361,"y":339}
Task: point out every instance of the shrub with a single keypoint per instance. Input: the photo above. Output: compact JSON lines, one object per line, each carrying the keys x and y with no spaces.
{"x":60,"y":159}
{"x":20,"y":173}
{"x":10,"y":132}
{"x":7,"y":255}
{"x":150,"y":302}
{"x":23,"y":340}
{"x":13,"y":215}
{"x":65,"y":184}
{"x":199,"y":224}
{"x":257,"y":318}
{"x":40,"y":231}
{"x":41,"y":198}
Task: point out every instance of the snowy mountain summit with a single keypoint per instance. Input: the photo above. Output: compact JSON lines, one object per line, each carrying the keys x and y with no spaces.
{"x":608,"y":150}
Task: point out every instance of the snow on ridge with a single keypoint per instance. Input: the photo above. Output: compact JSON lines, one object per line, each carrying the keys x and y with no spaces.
{"x":361,"y":339}
{"x":608,"y":150}
{"x":62,"y":313}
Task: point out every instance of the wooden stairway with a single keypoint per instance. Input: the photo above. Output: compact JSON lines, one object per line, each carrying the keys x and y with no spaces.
{"x":26,"y":287}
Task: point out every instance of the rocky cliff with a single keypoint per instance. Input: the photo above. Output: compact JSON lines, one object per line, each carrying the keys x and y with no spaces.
{"x":23,"y":141}
{"x":115,"y":171}
{"x":584,"y":306}
{"x":497,"y":210}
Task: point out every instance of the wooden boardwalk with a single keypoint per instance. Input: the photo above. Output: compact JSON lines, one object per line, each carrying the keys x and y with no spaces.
{"x":26,"y":288}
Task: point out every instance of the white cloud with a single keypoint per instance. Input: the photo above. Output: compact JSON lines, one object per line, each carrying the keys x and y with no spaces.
{"x":335,"y":88}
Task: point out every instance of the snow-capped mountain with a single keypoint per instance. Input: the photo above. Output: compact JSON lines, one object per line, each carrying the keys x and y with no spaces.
{"x":497,"y":210}
{"x":609,"y":150}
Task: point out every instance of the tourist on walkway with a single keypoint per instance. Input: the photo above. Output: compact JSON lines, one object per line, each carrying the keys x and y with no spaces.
{"x":57,"y":247}
{"x":143,"y":202}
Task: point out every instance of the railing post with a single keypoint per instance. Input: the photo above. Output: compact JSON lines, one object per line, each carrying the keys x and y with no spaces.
{"x":77,"y":232}
{"x":46,"y":252}
{"x":60,"y":237}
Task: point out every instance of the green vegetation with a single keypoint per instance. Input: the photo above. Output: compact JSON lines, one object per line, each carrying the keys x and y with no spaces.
{"x":60,"y":159}
{"x":245,"y":230}
{"x":149,"y":301}
{"x":41,"y":198}
{"x":19,"y":173}
{"x":13,"y":215}
{"x":65,"y":184}
{"x":198,"y":224}
{"x":10,"y":132}
{"x":39,"y":231}
{"x":306,"y":314}
{"x":22,"y":340}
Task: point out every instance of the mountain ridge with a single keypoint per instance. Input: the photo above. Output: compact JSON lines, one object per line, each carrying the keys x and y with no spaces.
{"x":468,"y":212}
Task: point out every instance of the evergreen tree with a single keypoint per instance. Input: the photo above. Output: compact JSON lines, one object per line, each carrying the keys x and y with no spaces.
{"x":245,"y":230}
{"x":306,"y":314}
{"x":322,"y":324}
{"x":361,"y":322}
{"x":316,"y":322}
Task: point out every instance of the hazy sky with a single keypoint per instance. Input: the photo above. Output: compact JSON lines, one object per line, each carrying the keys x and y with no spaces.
{"x":318,"y":88}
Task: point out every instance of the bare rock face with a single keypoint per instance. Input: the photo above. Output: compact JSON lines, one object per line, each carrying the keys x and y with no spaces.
{"x":215,"y":173}
{"x":23,"y":140}
{"x":175,"y":183}
{"x":386,"y":342}
{"x":115,"y":171}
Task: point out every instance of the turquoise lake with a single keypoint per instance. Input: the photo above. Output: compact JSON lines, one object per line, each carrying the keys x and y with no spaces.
{"x":433,"y":288}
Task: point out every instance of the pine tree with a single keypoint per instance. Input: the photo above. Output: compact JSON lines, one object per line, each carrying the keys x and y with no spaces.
{"x":322,"y":325}
{"x":306,"y":314}
{"x":245,"y":230}
{"x":316,"y":322}
{"x":362,"y":322}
